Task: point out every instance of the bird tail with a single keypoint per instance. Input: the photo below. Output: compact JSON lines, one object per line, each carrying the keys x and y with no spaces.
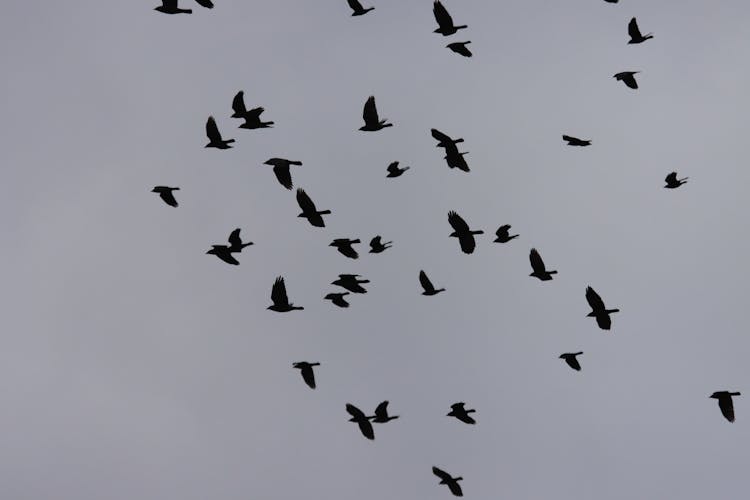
{"x":229,"y":141}
{"x":477,"y":232}
{"x":295,"y":163}
{"x":461,"y":27}
{"x":610,"y":311}
{"x":356,"y":241}
{"x":734,"y":393}
{"x":268,"y":124}
{"x":684,"y":179}
{"x":298,"y":308}
{"x":471,"y":411}
{"x":551,"y":272}
{"x":324,"y":212}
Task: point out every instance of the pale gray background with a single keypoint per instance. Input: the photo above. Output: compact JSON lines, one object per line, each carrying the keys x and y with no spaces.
{"x":133,"y":365}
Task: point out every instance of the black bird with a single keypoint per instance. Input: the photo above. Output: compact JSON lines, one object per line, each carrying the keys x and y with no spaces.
{"x":462,"y":414}
{"x":165,"y":193}
{"x":455,"y":159}
{"x":358,"y":9}
{"x":673,"y":182}
{"x":444,"y":140}
{"x":537,"y":265}
{"x":427,"y":285}
{"x":381,"y":414}
{"x":447,"y":479}
{"x":460,"y":48}
{"x":364,"y":422}
{"x":224,"y":252}
{"x":351,"y":282}
{"x":344,"y":246}
{"x":570,"y":358}
{"x":279,"y":298}
{"x":281,"y":170}
{"x":378,"y":246}
{"x":309,"y":212}
{"x":444,"y":20}
{"x":462,"y":232}
{"x":170,"y":7}
{"x":370,"y":115}
{"x":251,"y":117}
{"x":503,"y":235}
{"x":574,"y":141}
{"x":307,"y":372}
{"x":395,"y":171}
{"x":598,"y":310}
{"x":635,"y":33}
{"x":235,"y":242}
{"x":214,"y":136}
{"x":725,"y":403}
{"x":628,"y":78}
{"x":338,"y":299}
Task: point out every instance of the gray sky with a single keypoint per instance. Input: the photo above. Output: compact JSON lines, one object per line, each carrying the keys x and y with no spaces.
{"x":135,"y":366}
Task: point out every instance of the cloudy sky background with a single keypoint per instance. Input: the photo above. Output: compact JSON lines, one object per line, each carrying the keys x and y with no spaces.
{"x":135,"y":366}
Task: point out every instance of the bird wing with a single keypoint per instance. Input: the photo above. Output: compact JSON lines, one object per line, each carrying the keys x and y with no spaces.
{"x":573,"y":363}
{"x":238,"y":104}
{"x":457,"y":223}
{"x":629,"y":80}
{"x":382,"y":410}
{"x":460,"y":48}
{"x":205,"y":3}
{"x":366,"y":427}
{"x":671,"y":178}
{"x":569,"y":138}
{"x":604,"y":321}
{"x":212,"y":131}
{"x":168,"y":198}
{"x":442,"y":17}
{"x":283,"y":175}
{"x":355,"y":412}
{"x":278,"y":292}
{"x":595,"y":301}
{"x":502,"y":229}
{"x":376,"y":242}
{"x":537,"y":264}
{"x":442,"y":474}
{"x":234,"y":238}
{"x":304,"y":202}
{"x":228,"y":258}
{"x":441,"y":137}
{"x":308,"y":376}
{"x":425,"y":281}
{"x":455,"y":488}
{"x":254,"y":114}
{"x":393,"y":168}
{"x":467,"y":242}
{"x":348,"y":251}
{"x":370,"y":112}
{"x":355,"y":5}
{"x":727,"y":408}
{"x":633,"y":30}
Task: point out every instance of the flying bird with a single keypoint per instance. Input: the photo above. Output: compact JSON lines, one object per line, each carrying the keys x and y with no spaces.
{"x":635,"y":33}
{"x":381,"y":414}
{"x":170,"y":7}
{"x":361,"y":420}
{"x":251,"y":117}
{"x":427,"y":285}
{"x":281,"y":170}
{"x":444,"y":20}
{"x":224,"y":252}
{"x":461,"y":413}
{"x":338,"y":299}
{"x":395,"y":171}
{"x":166,"y":194}
{"x":503,"y":234}
{"x":673,"y":182}
{"x":460,"y":48}
{"x":447,"y":479}
{"x":358,"y":9}
{"x":235,"y":242}
{"x":628,"y":78}
{"x":378,"y":246}
{"x":307,"y":372}
{"x":309,"y":212}
{"x":598,"y":310}
{"x":444,"y":140}
{"x":455,"y":159}
{"x":570,"y":358}
{"x":279,"y":298}
{"x":574,"y":141}
{"x":351,"y":282}
{"x":214,"y":136}
{"x":725,"y":403}
{"x":462,"y":232}
{"x":537,"y":265}
{"x":344,"y":246}
{"x":372,"y":120}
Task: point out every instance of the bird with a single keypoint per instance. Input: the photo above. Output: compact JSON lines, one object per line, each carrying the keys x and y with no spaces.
{"x":170,"y":7}
{"x":279,"y":298}
{"x":378,"y":246}
{"x":166,"y":194}
{"x":235,"y":242}
{"x":444,"y":20}
{"x":372,"y":120}
{"x":628,"y":78}
{"x":394,"y":170}
{"x":598,"y":310}
{"x":574,"y":141}
{"x":673,"y":182}
{"x":214,"y":136}
{"x":351,"y":282}
{"x":460,"y":48}
{"x":635,"y":33}
{"x":361,"y":420}
{"x":307,"y":372}
{"x":444,"y":140}
{"x":447,"y":479}
{"x":281,"y":170}
{"x":309,"y":212}
{"x":455,"y":159}
{"x":570,"y":358}
{"x":462,"y":232}
{"x":461,"y":413}
{"x":537,"y":265}
{"x":224,"y":252}
{"x":725,"y":403}
{"x":381,"y":414}
{"x":251,"y":117}
{"x":358,"y":9}
{"x":344,"y":246}
{"x":338,"y":299}
{"x":427,"y":285}
{"x":503,"y":235}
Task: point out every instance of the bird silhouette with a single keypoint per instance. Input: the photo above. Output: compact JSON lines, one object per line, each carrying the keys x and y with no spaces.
{"x":537,"y":265}
{"x":444,"y":140}
{"x":372,"y":120}
{"x":307,"y":372}
{"x":235,"y":242}
{"x":166,"y":194}
{"x":344,"y":246}
{"x":427,"y":285}
{"x":214,"y":136}
{"x":251,"y":117}
{"x":570,"y":358}
{"x":358,"y":9}
{"x":635,"y":33}
{"x":444,"y":20}
{"x":279,"y":298}
{"x":460,"y":48}
{"x":309,"y":212}
{"x":673,"y":182}
{"x":338,"y":299}
{"x":628,"y":78}
{"x":725,"y":403}
{"x":598,"y":310}
{"x":361,"y":420}
{"x":378,"y":246}
{"x":503,"y":235}
{"x":351,"y":282}
{"x":381,"y":414}
{"x":170,"y":7}
{"x":574,"y":141}
{"x":455,"y":159}
{"x":458,"y":411}
{"x":395,"y":171}
{"x":224,"y":252}
{"x":462,"y":232}
{"x":281,"y":170}
{"x":451,"y":482}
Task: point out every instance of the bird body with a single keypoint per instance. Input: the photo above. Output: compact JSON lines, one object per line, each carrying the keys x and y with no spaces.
{"x":451,"y":482}
{"x":503,"y":234}
{"x":281,"y":170}
{"x":344,"y":246}
{"x":351,"y":282}
{"x":725,"y":403}
{"x":598,"y":310}
{"x":427,"y":285}
{"x":537,"y":265}
{"x":279,"y":298}
{"x":307,"y":372}
{"x":357,"y":8}
{"x":381,"y":414}
{"x":570,"y":358}
{"x":338,"y":299}
{"x":370,"y":116}
{"x":635,"y":33}
{"x":673,"y":182}
{"x":628,"y":78}
{"x":395,"y":171}
{"x":462,"y":232}
{"x":166,"y":194}
{"x":214,"y":136}
{"x":309,"y":211}
{"x":574,"y":141}
{"x":378,"y":246}
{"x":458,"y":411}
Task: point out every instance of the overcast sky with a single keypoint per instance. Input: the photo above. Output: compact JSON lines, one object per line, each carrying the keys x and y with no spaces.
{"x":133,"y":365}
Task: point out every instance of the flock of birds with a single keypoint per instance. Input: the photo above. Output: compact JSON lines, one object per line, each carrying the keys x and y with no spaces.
{"x":461,"y":229}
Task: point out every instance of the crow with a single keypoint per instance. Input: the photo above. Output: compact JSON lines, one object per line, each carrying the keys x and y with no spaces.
{"x":455,"y":159}
{"x":628,"y":78}
{"x":725,"y":403}
{"x":338,"y":299}
{"x":462,"y":414}
{"x":372,"y":120}
{"x":444,"y":20}
{"x":673,"y":182}
{"x":364,"y":422}
{"x":351,"y":282}
{"x":165,"y":193}
{"x":462,"y":232}
{"x":279,"y":298}
{"x":598,"y":310}
{"x":574,"y":141}
{"x":537,"y":265}
{"x":344,"y":246}
{"x":309,"y":212}
{"x":427,"y":286}
{"x":503,"y":235}
{"x":214,"y":136}
{"x":251,"y":117}
{"x":378,"y":246}
{"x":235,"y":242}
{"x":281,"y":170}
{"x":447,"y":479}
{"x":307,"y":372}
{"x":460,"y":48}
{"x":224,"y":252}
{"x":395,"y":171}
{"x":444,"y":141}
{"x":381,"y":414}
{"x":635,"y":33}
{"x":570,"y":358}
{"x":358,"y":9}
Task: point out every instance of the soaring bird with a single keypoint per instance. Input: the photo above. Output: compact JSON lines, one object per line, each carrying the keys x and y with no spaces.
{"x":309,"y":212}
{"x":378,"y":246}
{"x":358,"y":9}
{"x":444,"y":140}
{"x":537,"y":265}
{"x":461,"y":413}
{"x":224,"y":252}
{"x":447,"y":479}
{"x":370,"y":115}
{"x":427,"y":285}
{"x":628,"y":78}
{"x":307,"y":372}
{"x":598,"y":310}
{"x":635,"y":33}
{"x":673,"y":182}
{"x":235,"y":242}
{"x":214,"y":136}
{"x":165,"y":193}
{"x":444,"y":20}
{"x":503,"y":234}
{"x":725,"y":403}
{"x":455,"y":159}
{"x":351,"y":282}
{"x":251,"y":117}
{"x":338,"y":299}
{"x":460,"y":48}
{"x":381,"y":414}
{"x":462,"y":232}
{"x":395,"y":171}
{"x":570,"y":358}
{"x":574,"y":141}
{"x":281,"y":170}
{"x":170,"y":7}
{"x":361,"y":420}
{"x":344,"y":246}
{"x":279,"y":298}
